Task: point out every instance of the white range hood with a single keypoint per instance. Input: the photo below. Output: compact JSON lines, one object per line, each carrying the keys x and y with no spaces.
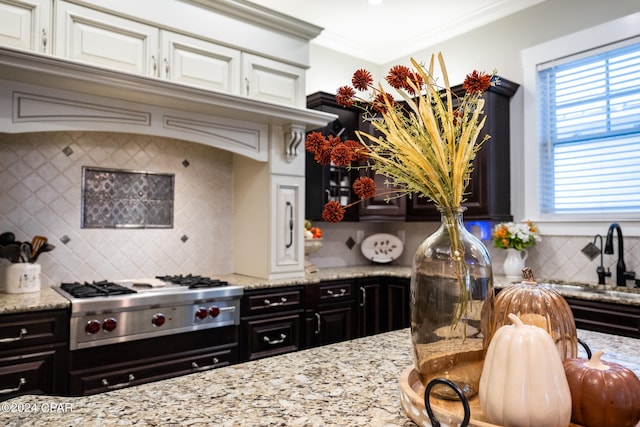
{"x":44,"y":93}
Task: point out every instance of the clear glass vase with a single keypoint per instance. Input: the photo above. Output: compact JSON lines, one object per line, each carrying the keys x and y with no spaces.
{"x":451,"y":306}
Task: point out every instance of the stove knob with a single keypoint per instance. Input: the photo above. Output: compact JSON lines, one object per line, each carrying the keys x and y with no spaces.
{"x":201,"y":313}
{"x":92,"y":327}
{"x":158,"y":319}
{"x":214,"y":311}
{"x":109,"y":324}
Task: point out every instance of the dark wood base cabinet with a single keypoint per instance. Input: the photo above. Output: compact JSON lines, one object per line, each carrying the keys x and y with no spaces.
{"x":103,"y":368}
{"x":610,"y":318}
{"x":331,"y":314}
{"x":33,"y":352}
{"x":271,"y":322}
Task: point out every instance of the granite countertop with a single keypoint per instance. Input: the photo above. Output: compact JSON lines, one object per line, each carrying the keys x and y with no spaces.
{"x":48,"y":299}
{"x":353,"y":383}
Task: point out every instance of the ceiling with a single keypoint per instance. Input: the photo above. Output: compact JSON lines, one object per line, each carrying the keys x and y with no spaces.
{"x":395,"y":28}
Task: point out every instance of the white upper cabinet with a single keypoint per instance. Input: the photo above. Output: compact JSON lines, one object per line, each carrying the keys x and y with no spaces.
{"x":200,"y":63}
{"x":273,"y":81}
{"x":103,"y":39}
{"x":26,"y":24}
{"x":94,"y":37}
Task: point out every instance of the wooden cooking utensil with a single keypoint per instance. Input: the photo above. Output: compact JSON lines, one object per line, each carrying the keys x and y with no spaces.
{"x":36,"y":244}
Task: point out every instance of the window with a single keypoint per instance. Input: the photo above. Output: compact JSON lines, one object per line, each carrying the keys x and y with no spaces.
{"x":572,"y":157}
{"x":589,"y":131}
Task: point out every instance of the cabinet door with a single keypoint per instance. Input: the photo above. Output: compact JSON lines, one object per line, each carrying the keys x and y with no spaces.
{"x":200,"y":63}
{"x":397,"y":301}
{"x":369,"y":308}
{"x":97,"y":38}
{"x":287,"y":244}
{"x":25,"y":24}
{"x":32,"y":370}
{"x":384,"y":206}
{"x":331,"y":182}
{"x":273,"y":81}
{"x":334,"y":324}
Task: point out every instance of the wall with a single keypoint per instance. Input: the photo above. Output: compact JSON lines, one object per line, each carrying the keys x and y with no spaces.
{"x":555,"y":257}
{"x":495,"y":46}
{"x":40,"y":193}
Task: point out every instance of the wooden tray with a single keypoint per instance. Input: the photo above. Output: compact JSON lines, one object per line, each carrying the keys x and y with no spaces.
{"x":447,"y":412}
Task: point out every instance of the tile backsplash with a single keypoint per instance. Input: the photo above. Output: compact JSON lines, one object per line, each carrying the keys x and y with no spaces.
{"x":40,"y":194}
{"x":555,"y":257}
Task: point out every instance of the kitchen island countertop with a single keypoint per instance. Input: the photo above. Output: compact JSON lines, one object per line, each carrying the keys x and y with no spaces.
{"x":353,"y":383}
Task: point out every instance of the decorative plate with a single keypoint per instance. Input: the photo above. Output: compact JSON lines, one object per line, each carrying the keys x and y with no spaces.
{"x":382,"y":247}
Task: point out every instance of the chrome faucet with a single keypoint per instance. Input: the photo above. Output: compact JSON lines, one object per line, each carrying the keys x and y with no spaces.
{"x":622,"y":275}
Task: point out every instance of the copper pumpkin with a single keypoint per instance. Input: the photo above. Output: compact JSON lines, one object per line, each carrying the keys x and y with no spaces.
{"x":538,"y":306}
{"x":603,"y":394}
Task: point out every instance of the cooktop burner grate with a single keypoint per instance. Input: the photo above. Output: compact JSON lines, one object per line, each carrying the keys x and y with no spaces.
{"x":95,"y":289}
{"x":193,"y":281}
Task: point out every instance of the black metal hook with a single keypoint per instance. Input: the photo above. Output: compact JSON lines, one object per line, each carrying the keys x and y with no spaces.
{"x":586,"y":348}
{"x":457,"y":390}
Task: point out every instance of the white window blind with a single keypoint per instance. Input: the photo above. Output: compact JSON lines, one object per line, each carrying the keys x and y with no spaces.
{"x":589,"y":113}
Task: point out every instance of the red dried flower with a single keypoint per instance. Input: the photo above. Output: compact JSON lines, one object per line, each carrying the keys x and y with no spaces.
{"x":360,"y":152}
{"x":342,"y":155}
{"x":379,"y":102}
{"x":333,"y":212}
{"x":398,"y":76}
{"x":364,"y":187}
{"x":333,"y":141}
{"x":362,"y":79}
{"x":417,"y":80}
{"x":476,"y":82}
{"x":323,"y":156}
{"x":344,"y":96}
{"x":315,"y":141}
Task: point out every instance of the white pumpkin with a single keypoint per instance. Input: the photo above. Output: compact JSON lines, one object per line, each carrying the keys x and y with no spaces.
{"x":523,"y":383}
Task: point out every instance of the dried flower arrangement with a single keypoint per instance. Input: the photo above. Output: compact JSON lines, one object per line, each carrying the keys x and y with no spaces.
{"x":426,"y":146}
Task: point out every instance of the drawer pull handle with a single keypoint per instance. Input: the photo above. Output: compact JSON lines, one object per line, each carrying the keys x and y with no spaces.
{"x":196,"y":367}
{"x":342,"y":293}
{"x":273,"y":304}
{"x":364,"y":296}
{"x":106,"y":384}
{"x":21,"y":382}
{"x":319,"y":322}
{"x":274,"y":342}
{"x":23,"y":333}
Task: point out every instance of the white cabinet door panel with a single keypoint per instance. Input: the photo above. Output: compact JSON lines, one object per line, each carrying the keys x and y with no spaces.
{"x":105,"y":40}
{"x":273,"y":81}
{"x":25,"y":24}
{"x":288,"y":219}
{"x":200,"y":63}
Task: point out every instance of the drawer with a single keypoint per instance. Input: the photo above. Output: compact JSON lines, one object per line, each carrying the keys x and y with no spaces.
{"x":335,"y":292}
{"x":32,"y":372}
{"x":98,"y":381}
{"x":26,"y":329}
{"x":282,"y":299}
{"x":271,"y":336}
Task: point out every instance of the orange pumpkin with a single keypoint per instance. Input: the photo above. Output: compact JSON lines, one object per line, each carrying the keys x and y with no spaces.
{"x":603,"y":394}
{"x":538,"y":306}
